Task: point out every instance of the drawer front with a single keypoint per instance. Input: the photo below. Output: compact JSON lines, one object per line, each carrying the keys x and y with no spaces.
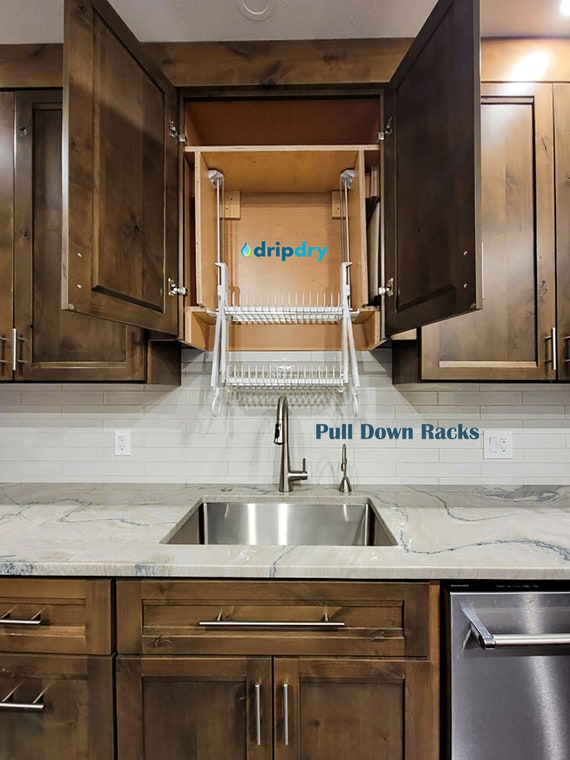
{"x":299,"y":618}
{"x":55,"y":616}
{"x":56,"y":707}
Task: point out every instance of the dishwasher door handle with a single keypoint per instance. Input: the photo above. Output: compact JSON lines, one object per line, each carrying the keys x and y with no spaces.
{"x":488,"y":640}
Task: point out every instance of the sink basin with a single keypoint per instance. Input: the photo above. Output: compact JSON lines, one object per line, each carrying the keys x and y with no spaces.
{"x":283,"y":522}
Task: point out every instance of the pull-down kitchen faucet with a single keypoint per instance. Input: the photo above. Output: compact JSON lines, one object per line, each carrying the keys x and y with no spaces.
{"x":286,"y":475}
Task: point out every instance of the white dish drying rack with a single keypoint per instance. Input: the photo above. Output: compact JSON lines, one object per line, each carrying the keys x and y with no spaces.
{"x":328,"y":376}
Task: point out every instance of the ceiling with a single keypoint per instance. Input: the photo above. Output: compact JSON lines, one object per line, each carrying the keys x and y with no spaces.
{"x":25,"y":21}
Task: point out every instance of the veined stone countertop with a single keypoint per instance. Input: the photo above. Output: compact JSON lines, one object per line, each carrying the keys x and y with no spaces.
{"x":67,"y":529}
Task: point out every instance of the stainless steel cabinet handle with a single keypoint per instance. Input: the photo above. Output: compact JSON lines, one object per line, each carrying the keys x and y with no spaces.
{"x":488,"y":640}
{"x":286,"y":714}
{"x":322,"y":625}
{"x":35,"y":620}
{"x":35,"y":706}
{"x":14,"y":349}
{"x":23,"y":706}
{"x":554,"y":348}
{"x":258,"y":714}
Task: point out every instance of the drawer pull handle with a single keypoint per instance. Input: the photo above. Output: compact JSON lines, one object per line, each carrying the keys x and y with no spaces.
{"x":301,"y":625}
{"x":258,"y":714}
{"x":286,"y":714}
{"x":35,"y":706}
{"x":7,"y":620}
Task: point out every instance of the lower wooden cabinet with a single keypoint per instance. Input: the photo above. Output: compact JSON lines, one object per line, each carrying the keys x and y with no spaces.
{"x":56,"y":707}
{"x":56,"y":669}
{"x":259,"y":708}
{"x":229,"y":670}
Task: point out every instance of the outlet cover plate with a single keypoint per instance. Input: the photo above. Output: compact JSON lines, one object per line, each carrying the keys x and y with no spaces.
{"x":122,"y":443}
{"x":498,"y":444}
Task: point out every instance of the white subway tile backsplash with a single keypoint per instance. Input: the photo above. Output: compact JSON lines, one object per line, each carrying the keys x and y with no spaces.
{"x":59,"y":432}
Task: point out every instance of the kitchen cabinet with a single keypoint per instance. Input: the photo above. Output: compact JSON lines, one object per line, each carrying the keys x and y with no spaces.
{"x":521,"y":332}
{"x":122,"y":147}
{"x":277,"y":670}
{"x":38,"y":340}
{"x":56,"y":669}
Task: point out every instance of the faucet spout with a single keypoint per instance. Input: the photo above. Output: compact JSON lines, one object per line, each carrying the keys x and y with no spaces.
{"x":286,"y":475}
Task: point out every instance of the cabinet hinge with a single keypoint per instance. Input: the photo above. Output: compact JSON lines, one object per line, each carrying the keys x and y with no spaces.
{"x":175,"y":290}
{"x":175,"y":134}
{"x":387,"y":130}
{"x":387,"y":289}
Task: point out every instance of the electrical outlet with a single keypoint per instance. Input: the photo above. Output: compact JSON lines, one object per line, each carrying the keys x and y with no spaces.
{"x":122,"y":443}
{"x":498,"y":444}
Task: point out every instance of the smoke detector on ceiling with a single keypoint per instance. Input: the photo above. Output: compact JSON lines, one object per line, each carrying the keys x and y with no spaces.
{"x":256,"y":10}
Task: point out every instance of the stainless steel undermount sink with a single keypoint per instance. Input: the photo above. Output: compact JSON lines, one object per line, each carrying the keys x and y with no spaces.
{"x":282,"y":521}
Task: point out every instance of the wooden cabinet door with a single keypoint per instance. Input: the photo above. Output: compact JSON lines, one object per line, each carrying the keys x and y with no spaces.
{"x":6,"y":231}
{"x":432,"y":172}
{"x":353,"y":708}
{"x":120,"y":198}
{"x":56,"y":708}
{"x":194,"y":708}
{"x":510,"y":338}
{"x":562,"y":149}
{"x":53,"y":344}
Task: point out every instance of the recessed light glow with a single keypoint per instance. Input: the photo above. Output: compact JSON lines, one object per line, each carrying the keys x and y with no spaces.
{"x":531,"y":67}
{"x":565,"y":7}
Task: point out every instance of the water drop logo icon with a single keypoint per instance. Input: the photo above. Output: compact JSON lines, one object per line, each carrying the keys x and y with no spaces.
{"x":246,"y":250}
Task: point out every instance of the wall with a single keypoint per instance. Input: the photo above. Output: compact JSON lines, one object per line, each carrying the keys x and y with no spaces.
{"x":66,"y":432}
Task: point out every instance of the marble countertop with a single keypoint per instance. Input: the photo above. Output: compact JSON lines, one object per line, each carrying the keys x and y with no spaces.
{"x":474,"y":532}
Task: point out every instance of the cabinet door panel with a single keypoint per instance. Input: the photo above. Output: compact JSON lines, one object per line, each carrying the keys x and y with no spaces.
{"x":54,"y":344}
{"x":120,"y":203}
{"x":508,"y":338}
{"x":562,"y":137}
{"x":355,"y":708}
{"x":6,"y":231}
{"x":339,"y":708}
{"x":192,"y":708}
{"x":77,"y":718}
{"x":432,"y":162}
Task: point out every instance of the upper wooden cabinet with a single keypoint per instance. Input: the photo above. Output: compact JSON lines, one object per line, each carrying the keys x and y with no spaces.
{"x":432,"y":119}
{"x":514,"y":336}
{"x":39,"y":341}
{"x":121,"y":258}
{"x":120,"y":202}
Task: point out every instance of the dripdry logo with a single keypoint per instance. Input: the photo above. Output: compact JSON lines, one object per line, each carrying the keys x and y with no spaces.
{"x":284,"y":252}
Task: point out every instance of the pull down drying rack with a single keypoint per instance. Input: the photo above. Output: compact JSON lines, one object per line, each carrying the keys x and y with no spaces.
{"x":294,"y":309}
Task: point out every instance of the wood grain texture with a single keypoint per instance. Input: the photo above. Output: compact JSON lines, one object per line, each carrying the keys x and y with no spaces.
{"x":506,"y":340}
{"x":55,"y":344}
{"x":203,"y":708}
{"x":432,"y":162}
{"x":75,"y":615}
{"x":77,"y":721}
{"x":562,"y":145}
{"x":341,"y":708}
{"x":380,"y":619}
{"x":6,"y":232}
{"x":215,"y":64}
{"x":123,"y":168}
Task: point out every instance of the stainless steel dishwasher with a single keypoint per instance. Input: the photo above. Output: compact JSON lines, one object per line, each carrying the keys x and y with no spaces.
{"x":508,"y":673}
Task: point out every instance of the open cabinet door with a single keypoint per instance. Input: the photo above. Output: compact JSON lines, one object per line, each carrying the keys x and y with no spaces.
{"x":120,"y":168}
{"x":432,"y":147}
